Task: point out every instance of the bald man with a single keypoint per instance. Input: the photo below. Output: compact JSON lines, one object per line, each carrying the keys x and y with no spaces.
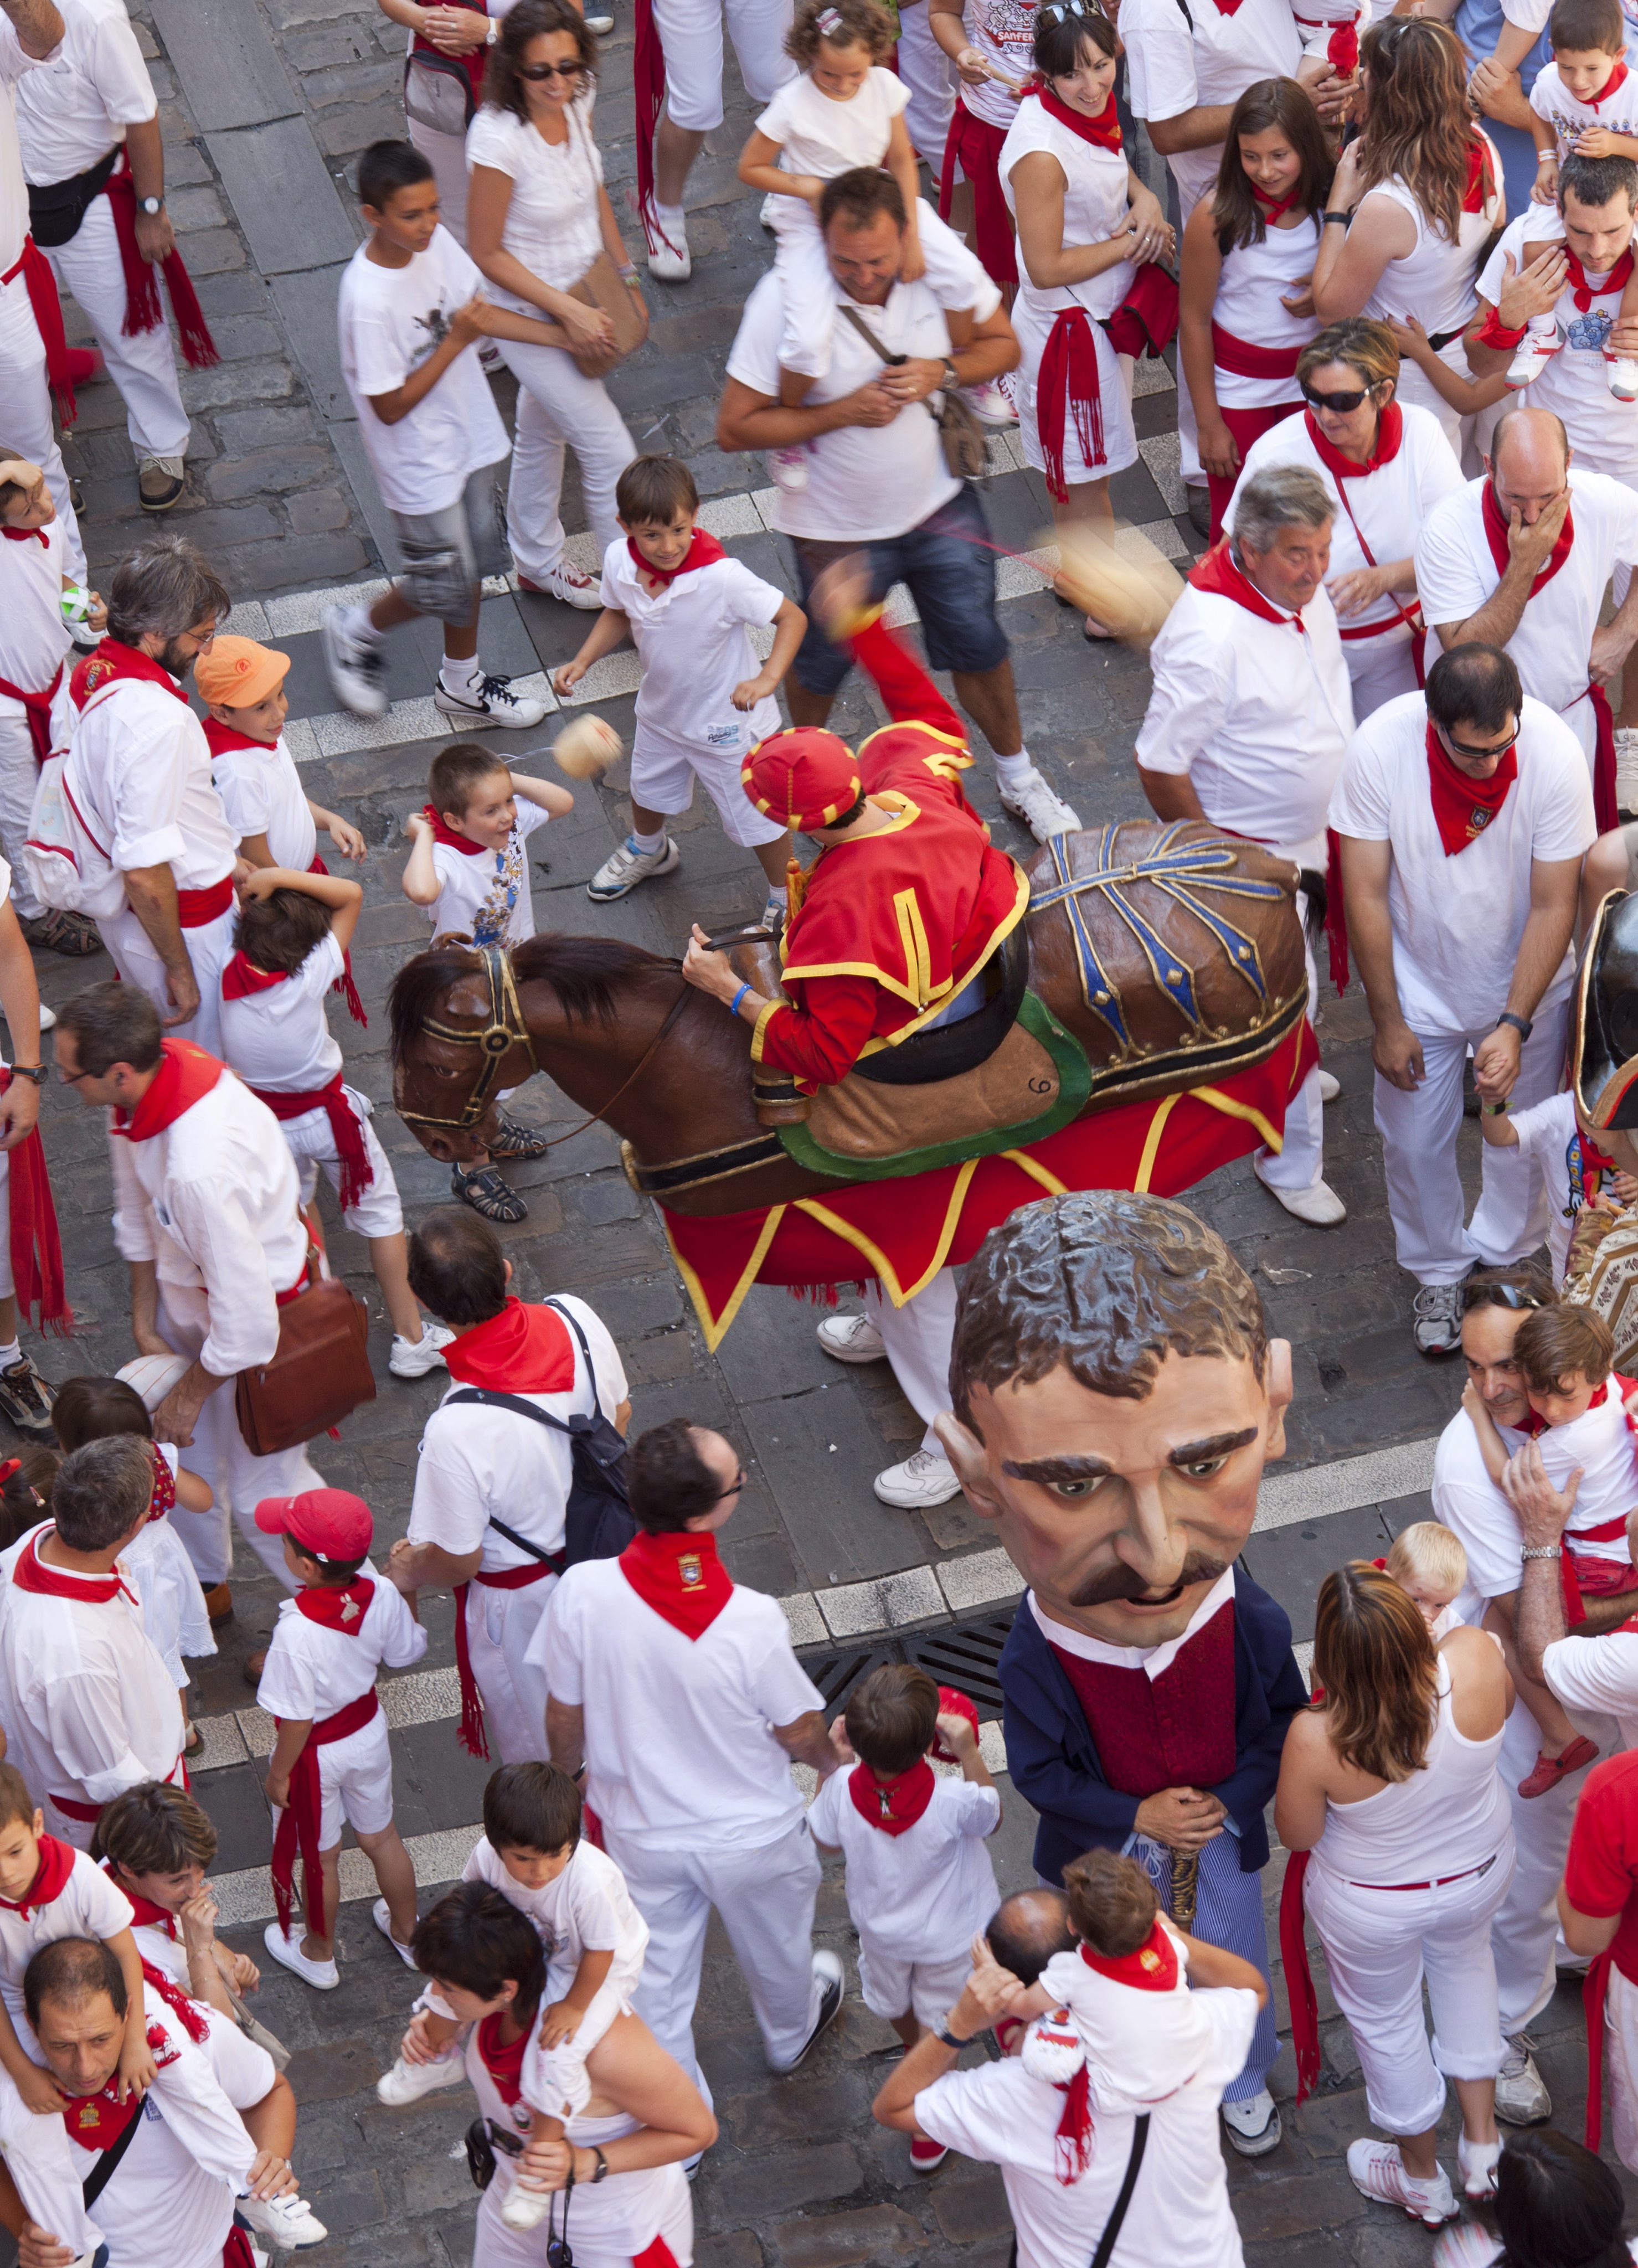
{"x":1521,"y":558}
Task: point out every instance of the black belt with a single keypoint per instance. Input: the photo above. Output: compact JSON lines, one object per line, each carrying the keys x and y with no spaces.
{"x":57,"y":209}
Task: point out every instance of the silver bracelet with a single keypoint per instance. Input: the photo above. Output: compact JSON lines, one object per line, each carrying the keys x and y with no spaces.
{"x":1542,"y":1551}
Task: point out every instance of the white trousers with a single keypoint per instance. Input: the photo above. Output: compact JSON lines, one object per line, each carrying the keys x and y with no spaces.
{"x":494,"y":2245}
{"x":1620,"y":2039}
{"x":919,"y":1337}
{"x":1524,"y":1935}
{"x":554,"y":2080}
{"x":1419,"y":1132}
{"x":1380,"y":669}
{"x":237,"y":1480}
{"x":1379,"y":1947}
{"x":1300,"y":1163}
{"x":20,"y":776}
{"x":690,"y":32}
{"x":209,"y":949}
{"x":765,"y":1897}
{"x":143,"y":368}
{"x":499,"y":1627}
{"x":931,"y":76}
{"x":1188,"y":434}
{"x":446,"y":155}
{"x":559,"y":409}
{"x":26,"y":408}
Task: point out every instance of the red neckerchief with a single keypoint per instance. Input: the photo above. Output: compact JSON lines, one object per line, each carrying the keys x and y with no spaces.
{"x":96,"y":2122}
{"x":164,"y":1498}
{"x":1585,"y":292}
{"x":1102,"y":132}
{"x":57,"y":1864}
{"x":1463,"y":807}
{"x":32,"y":1573}
{"x":1218,"y":575}
{"x":1274,"y":208}
{"x":1153,"y":1967}
{"x":241,"y":977}
{"x":680,"y":1576}
{"x":112,"y":661}
{"x":334,"y":1608}
{"x":703,"y":551}
{"x":1613,"y":84}
{"x":1496,"y":535}
{"x":144,"y":1913}
{"x":525,"y":1348}
{"x":1389,"y":434}
{"x":185,"y":1076}
{"x":892,"y":1805}
{"x":449,"y":838}
{"x":503,"y":2064}
{"x":225,"y":740}
{"x":1474,"y":187}
{"x":25,"y":535}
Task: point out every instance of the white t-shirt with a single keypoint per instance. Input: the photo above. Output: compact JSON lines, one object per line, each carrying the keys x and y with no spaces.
{"x":312,"y":1671}
{"x":1002,"y":2115}
{"x":260,"y":793}
{"x":87,"y":1905}
{"x":33,"y":636}
{"x":486,"y":895}
{"x":1174,"y":67}
{"x":867,"y":483}
{"x":1468,"y":1502}
{"x":587,"y":1909}
{"x":140,"y":769}
{"x":689,"y":636}
{"x":1574,"y":383}
{"x":391,"y":319}
{"x":817,"y":135}
{"x":1599,"y":1445}
{"x":1456,"y":922}
{"x":1003,"y":32}
{"x":923,"y":1894}
{"x":1599,"y":1674}
{"x":680,"y":1753}
{"x":1544,"y":1134}
{"x":553,"y":224}
{"x":281,"y":1039}
{"x":1569,"y":116}
{"x":77,"y":108}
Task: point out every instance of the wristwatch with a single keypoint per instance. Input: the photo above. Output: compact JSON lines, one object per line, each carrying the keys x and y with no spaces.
{"x":150,"y":206}
{"x":1342,"y":219}
{"x":36,"y":1072}
{"x":952,"y":376}
{"x":1541,"y":1552}
{"x":950,"y":2038}
{"x":602,"y":2165}
{"x":1522,"y":1025}
{"x":493,"y":32}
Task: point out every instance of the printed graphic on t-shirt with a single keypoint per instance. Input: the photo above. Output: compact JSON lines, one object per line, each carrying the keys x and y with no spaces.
{"x":1590,"y":330}
{"x":435,"y":323}
{"x":1566,"y":125}
{"x":490,"y":922}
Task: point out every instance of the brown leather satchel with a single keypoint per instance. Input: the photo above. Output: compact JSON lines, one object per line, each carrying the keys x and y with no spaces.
{"x":604,"y":288}
{"x":320,"y":1373}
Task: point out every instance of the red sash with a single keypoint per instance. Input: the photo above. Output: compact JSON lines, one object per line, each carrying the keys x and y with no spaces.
{"x":1463,"y":807}
{"x":680,"y":1576}
{"x":357,"y":1174}
{"x":186,"y":1075}
{"x":1299,"y":1977}
{"x":42,"y":286}
{"x":33,"y":1240}
{"x":57,"y":1864}
{"x":892,"y":1805}
{"x":196,"y":908}
{"x":471,"y":1735}
{"x":1496,"y":530}
{"x":143,"y":310}
{"x":344,"y":983}
{"x":1243,"y":360}
{"x":1067,"y":384}
{"x":36,"y":706}
{"x":704,"y":550}
{"x":298,"y":1821}
{"x":337,"y":1607}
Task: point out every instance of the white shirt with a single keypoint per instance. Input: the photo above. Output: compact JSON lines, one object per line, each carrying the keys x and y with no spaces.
{"x":260,"y":793}
{"x":1599,"y":1445}
{"x":1545,"y":1133}
{"x":587,"y":1909}
{"x":1468,"y":1502}
{"x":690,"y":638}
{"x":923,"y":1894}
{"x":1597,"y":1674}
{"x":85,"y":1697}
{"x":87,"y":1905}
{"x":312,"y":1671}
{"x":1096,"y":185}
{"x":1569,"y":116}
{"x":680,"y":1753}
{"x":1386,"y":507}
{"x":1002,"y":2115}
{"x":476,"y":1462}
{"x":1574,"y":383}
{"x":74,"y":111}
{"x":13,"y":188}
{"x":1456,"y":922}
{"x":1002,"y":32}
{"x":1254,"y":285}
{"x":139,"y":767}
{"x":554,"y":225}
{"x":213,"y":1202}
{"x":390,"y":319}
{"x":33,"y":636}
{"x":1174,"y":69}
{"x":865,"y":483}
{"x":1256,"y":714}
{"x":817,"y":135}
{"x":281,"y":1039}
{"x":486,"y":896}
{"x":1456,"y":573}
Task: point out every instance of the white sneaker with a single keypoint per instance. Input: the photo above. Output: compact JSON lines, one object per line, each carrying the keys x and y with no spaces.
{"x":599,"y":20}
{"x":852,"y":1338}
{"x":1330,"y":1086}
{"x":1477,"y":2161}
{"x":1319,"y":1205}
{"x":566,"y":584}
{"x":1437,"y":1328}
{"x":1522,"y":2097}
{"x":1378,"y":2171}
{"x":919,"y":1482}
{"x":358,"y":672}
{"x":774,"y":912}
{"x":380,"y":1914}
{"x":407,"y":2082}
{"x":665,"y":232}
{"x":1623,"y":378}
{"x":323,"y":1976}
{"x":1536,"y":349}
{"x":627,"y":867}
{"x":789,"y":468}
{"x":496,"y":704}
{"x":1042,"y":809}
{"x":1625,"y":768}
{"x":414,"y":1358}
{"x":832,"y":1987}
{"x":993,"y":402}
{"x":1253,"y":2125}
{"x":525,"y":2207}
{"x":289,"y":2223}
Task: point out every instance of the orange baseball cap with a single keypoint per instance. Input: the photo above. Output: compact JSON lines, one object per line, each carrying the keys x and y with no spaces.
{"x":236,"y":673}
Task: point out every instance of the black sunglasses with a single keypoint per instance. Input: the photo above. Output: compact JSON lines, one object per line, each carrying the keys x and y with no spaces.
{"x":1341,"y":405}
{"x":1498,"y":1295}
{"x":550,"y":70}
{"x":1477,"y":755}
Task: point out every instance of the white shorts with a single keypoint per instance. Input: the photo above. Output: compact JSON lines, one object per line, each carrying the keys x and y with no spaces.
{"x":312,"y":1143}
{"x":664,"y":770}
{"x":554,"y":2079}
{"x":691,"y":33}
{"x":893,"y":1986}
{"x":356,"y":1784}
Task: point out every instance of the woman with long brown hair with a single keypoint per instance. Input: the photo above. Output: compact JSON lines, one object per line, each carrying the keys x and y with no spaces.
{"x":1389,"y":1783}
{"x":1247,"y":310}
{"x":1423,"y":182}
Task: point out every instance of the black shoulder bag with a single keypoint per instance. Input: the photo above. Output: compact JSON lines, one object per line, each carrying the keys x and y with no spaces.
{"x":103,"y":2172}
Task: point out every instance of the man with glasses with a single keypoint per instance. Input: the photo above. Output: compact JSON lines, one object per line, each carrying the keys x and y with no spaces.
{"x":676,"y":1690}
{"x":1463,"y":815}
{"x":1521,"y":559}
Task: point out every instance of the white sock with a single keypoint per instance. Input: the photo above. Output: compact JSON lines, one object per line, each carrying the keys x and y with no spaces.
{"x":648,"y":845}
{"x":10,"y":1354}
{"x":461,"y":677}
{"x":674,"y":215}
{"x":1013,"y":772}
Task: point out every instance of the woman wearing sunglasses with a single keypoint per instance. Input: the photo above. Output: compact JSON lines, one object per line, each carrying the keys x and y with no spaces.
{"x":1387,"y":464}
{"x":538,"y":219}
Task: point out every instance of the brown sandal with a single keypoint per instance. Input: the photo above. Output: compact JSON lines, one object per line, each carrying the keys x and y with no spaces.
{"x":484,"y":1190}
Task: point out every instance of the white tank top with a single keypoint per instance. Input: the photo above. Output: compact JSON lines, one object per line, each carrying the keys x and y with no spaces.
{"x":1094,"y":206}
{"x":1451,"y":1815}
{"x":1434,"y":281}
{"x":1248,"y":306}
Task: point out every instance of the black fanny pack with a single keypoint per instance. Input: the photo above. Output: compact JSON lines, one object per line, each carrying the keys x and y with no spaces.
{"x":55,"y":211}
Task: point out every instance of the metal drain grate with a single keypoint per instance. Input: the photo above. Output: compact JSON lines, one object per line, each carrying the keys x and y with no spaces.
{"x":965,"y":1654}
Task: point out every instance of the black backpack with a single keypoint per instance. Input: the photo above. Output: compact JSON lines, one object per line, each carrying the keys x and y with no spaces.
{"x":597,"y":1522}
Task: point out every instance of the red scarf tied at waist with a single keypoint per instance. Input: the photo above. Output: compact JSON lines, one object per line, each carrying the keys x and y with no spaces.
{"x":34,"y":1241}
{"x":704,"y":550}
{"x":298,"y":1821}
{"x":1067,"y":385}
{"x":1241,"y":359}
{"x":357,"y":1174}
{"x":143,"y":310}
{"x":892,"y":1806}
{"x":46,"y":308}
{"x":36,"y":706}
{"x":680,"y":1576}
{"x":1299,"y":1977}
{"x":1463,"y":807}
{"x":1101,"y":132}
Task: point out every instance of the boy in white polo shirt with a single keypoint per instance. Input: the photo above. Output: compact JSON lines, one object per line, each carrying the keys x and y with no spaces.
{"x":703,"y":703}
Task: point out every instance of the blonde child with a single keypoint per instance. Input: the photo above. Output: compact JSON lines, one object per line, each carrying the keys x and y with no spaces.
{"x":1563,"y":1353}
{"x":703,"y":703}
{"x":469,"y":867}
{"x":1556,"y":1136}
{"x":1428,"y":1563}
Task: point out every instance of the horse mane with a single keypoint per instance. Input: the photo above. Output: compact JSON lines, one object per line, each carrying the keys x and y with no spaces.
{"x":583,"y":971}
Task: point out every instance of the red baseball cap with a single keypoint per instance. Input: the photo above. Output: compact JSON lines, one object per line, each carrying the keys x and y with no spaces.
{"x":330,"y":1522}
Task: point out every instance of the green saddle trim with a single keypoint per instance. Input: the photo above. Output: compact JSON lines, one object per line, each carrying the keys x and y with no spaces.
{"x":1074,"y":1076}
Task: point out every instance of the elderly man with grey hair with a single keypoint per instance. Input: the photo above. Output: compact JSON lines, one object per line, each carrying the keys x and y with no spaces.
{"x":155,"y":850}
{"x":1251,"y":712}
